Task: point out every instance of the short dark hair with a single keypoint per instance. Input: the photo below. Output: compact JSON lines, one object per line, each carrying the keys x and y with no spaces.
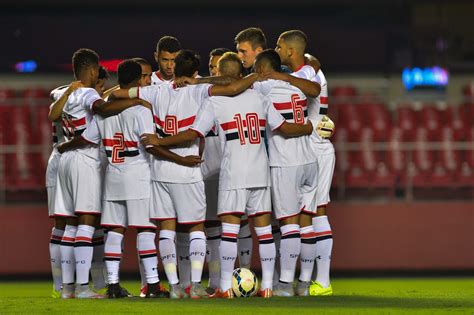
{"x":187,"y":62}
{"x":218,"y":52}
{"x":129,"y":71}
{"x":168,"y":43}
{"x":271,"y":57}
{"x":230,"y":64}
{"x":84,"y":58}
{"x":254,"y":35}
{"x":103,"y":73}
{"x":295,"y":36}
{"x":141,"y":61}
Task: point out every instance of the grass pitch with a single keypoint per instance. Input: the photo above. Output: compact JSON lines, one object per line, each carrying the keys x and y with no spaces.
{"x":351,"y":296}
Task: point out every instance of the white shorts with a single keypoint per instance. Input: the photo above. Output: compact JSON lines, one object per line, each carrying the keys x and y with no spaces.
{"x":78,"y":187}
{"x":126,"y":213}
{"x":326,"y":163}
{"x":211,"y":186}
{"x":51,"y":191}
{"x":184,"y":202}
{"x":250,"y":201}
{"x":293,"y":189}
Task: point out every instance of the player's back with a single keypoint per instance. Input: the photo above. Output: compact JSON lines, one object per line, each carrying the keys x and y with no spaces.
{"x":242,"y":121}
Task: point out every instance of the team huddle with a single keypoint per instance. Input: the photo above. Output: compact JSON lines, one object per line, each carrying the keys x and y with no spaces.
{"x":196,"y":158}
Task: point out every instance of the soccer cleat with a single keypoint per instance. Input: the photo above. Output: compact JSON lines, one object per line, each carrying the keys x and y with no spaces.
{"x":316,"y":289}
{"x":197,"y":291}
{"x":84,"y":292}
{"x":187,"y":290}
{"x":218,"y":294}
{"x":302,"y":288}
{"x":55,"y":294}
{"x":265,"y":293}
{"x":143,"y":291}
{"x":156,"y":290}
{"x":177,"y":292}
{"x":115,"y":291}
{"x":210,"y":291}
{"x":284,"y":289}
{"x":67,"y":292}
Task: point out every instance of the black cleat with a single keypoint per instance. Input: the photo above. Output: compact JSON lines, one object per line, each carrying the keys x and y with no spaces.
{"x":115,"y":291}
{"x":155,"y":290}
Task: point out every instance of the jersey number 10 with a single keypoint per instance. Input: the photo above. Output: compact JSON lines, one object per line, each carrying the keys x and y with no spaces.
{"x":253,"y":128}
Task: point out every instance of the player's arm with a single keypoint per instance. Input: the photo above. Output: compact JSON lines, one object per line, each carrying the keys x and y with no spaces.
{"x":165,"y":153}
{"x":219,"y":80}
{"x":56,"y":109}
{"x":73,"y":144}
{"x":235,"y":87}
{"x":295,"y":130}
{"x":178,"y":139}
{"x":312,"y":61}
{"x":116,"y":106}
{"x":309,"y":88}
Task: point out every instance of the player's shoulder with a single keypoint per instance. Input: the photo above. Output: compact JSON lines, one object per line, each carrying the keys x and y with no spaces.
{"x":58,"y":92}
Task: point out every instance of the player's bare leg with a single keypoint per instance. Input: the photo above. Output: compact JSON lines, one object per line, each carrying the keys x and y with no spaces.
{"x":182,"y":251}
{"x":68,"y":262}
{"x":245,"y":244}
{"x":308,"y":253}
{"x":213,"y":232}
{"x":83,"y":252}
{"x":168,"y":257}
{"x":55,"y":254}
{"x":290,"y":247}
{"x":324,"y":242}
{"x":267,"y":251}
{"x":197,"y":256}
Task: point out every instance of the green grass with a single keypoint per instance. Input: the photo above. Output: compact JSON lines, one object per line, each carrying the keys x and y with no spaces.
{"x":352,"y":296}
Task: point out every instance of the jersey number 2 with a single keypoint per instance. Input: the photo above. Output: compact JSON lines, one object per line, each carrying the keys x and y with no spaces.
{"x":117,"y":148}
{"x":253,"y":128}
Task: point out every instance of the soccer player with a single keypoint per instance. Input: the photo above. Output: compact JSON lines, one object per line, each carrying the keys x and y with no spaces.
{"x":243,"y":187}
{"x":249,"y":43}
{"x":291,"y":46}
{"x":214,"y":57}
{"x":127,"y":185}
{"x":165,"y":54}
{"x":79,"y":186}
{"x":101,"y":80}
{"x":293,"y":167}
{"x":147,"y":72}
{"x":59,"y":97}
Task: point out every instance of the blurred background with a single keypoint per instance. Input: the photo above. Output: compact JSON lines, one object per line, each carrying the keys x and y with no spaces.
{"x":401,"y":83}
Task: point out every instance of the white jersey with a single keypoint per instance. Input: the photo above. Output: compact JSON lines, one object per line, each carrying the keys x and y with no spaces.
{"x":157,"y":78}
{"x":58,"y":137}
{"x":77,"y":115}
{"x":241,"y":122}
{"x":318,"y":106}
{"x":174,"y":110}
{"x":212,"y":156}
{"x":291,"y":103}
{"x":128,"y":171}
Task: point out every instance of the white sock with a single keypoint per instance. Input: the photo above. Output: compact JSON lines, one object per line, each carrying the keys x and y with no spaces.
{"x":113,"y":255}
{"x":290,"y":248}
{"x":168,"y":255}
{"x":68,"y":262}
{"x":277,"y":237}
{"x":83,"y":252}
{"x":184,"y":264}
{"x":267,"y":251}
{"x":146,"y":248}
{"x":197,"y":254}
{"x":245,"y":246}
{"x":324,"y":242}
{"x":228,"y":253}
{"x":308,"y":252}
{"x":55,"y":256}
{"x":98,"y":264}
{"x":213,"y":258}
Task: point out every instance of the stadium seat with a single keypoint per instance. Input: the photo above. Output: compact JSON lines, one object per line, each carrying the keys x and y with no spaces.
{"x":406,"y":120}
{"x":35,"y":97}
{"x":431,"y":120}
{"x":7,"y":97}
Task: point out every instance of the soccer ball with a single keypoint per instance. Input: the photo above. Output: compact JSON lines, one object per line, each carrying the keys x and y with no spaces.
{"x":244,"y":282}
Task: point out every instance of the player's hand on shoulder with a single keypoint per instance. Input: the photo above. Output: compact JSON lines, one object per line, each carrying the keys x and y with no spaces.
{"x":276,"y":75}
{"x":265,"y":76}
{"x":150,"y":140}
{"x":191,"y":160}
{"x":183,"y":81}
{"x":60,"y":148}
{"x":325,"y":128}
{"x":74,"y":85}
